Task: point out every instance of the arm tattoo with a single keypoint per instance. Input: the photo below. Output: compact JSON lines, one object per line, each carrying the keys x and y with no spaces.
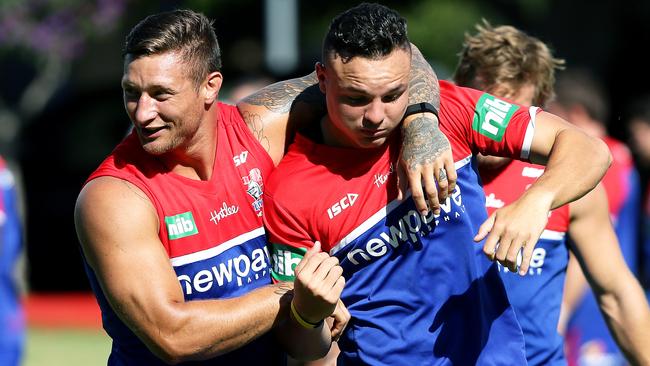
{"x":138,"y":192}
{"x":423,"y":84}
{"x":422,"y":142}
{"x":254,"y":122}
{"x":280,"y":96}
{"x":280,"y":99}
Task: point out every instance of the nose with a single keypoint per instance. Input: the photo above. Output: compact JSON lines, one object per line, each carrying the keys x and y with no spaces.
{"x":145,"y":109}
{"x":375,"y":113}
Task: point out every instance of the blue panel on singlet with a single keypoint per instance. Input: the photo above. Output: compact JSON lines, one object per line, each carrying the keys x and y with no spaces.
{"x":537,"y":297}
{"x":237,"y":271}
{"x":421,"y":292}
{"x":231,"y":273}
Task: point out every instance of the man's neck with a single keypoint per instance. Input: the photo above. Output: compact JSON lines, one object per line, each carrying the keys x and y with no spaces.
{"x":313,"y":131}
{"x":195,"y":158}
{"x":330,"y":135}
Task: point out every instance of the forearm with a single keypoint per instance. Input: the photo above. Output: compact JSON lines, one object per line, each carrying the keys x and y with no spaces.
{"x":628,"y":318}
{"x":279,"y":97}
{"x":423,"y":82}
{"x":426,"y":160}
{"x":575,"y":286}
{"x":421,"y":133}
{"x":575,"y":165}
{"x":198,"y":330}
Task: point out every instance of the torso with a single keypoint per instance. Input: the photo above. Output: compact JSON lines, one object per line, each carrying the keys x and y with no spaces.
{"x":413,"y":283}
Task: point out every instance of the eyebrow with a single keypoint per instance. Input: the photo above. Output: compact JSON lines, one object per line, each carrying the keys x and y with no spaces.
{"x":396,"y":89}
{"x":124,"y":83}
{"x":154,"y":87}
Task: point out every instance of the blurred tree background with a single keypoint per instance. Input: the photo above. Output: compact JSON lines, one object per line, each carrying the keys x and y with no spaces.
{"x":61,"y":107}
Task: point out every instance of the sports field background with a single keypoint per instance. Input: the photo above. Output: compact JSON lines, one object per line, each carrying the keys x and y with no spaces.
{"x":64,"y":330}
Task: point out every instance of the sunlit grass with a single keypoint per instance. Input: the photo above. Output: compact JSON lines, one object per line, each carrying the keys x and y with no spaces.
{"x":66,"y":347}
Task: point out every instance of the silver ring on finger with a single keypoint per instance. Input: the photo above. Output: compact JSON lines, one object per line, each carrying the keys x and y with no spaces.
{"x":443,"y":174}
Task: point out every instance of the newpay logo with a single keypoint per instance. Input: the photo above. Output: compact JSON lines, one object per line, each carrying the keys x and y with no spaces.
{"x":241,"y":269}
{"x":181,"y":225}
{"x":492,"y":116}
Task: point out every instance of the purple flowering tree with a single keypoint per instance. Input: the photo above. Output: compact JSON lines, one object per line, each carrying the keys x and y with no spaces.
{"x":43,"y":37}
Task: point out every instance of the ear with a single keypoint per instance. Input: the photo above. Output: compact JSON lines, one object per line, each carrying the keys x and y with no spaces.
{"x":322,"y":77}
{"x":212,"y":86}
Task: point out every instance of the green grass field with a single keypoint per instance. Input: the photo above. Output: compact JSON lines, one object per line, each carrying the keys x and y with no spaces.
{"x":66,"y":347}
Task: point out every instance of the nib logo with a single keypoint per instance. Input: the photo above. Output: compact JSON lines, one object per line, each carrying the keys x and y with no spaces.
{"x":492,"y":116}
{"x":181,"y":225}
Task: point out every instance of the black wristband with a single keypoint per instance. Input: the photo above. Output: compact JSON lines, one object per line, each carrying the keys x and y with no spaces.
{"x":420,"y":108}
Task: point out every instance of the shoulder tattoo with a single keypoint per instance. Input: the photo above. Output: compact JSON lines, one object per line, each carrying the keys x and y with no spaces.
{"x":254,"y":122}
{"x":280,"y":96}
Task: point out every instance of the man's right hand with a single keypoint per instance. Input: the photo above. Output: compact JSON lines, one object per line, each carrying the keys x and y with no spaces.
{"x":426,"y":164}
{"x":318,"y":285}
{"x":515,"y":227}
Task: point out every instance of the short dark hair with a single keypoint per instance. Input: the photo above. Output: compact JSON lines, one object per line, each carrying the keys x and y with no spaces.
{"x":367,"y":30}
{"x":186,"y":31}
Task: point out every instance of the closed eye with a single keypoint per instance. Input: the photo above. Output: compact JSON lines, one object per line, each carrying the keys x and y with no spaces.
{"x":131,"y":93}
{"x":162,"y":96}
{"x":392,"y":97}
{"x":355,"y":100}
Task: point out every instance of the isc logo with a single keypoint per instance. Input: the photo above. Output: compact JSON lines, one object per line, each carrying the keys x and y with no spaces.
{"x":342,"y":204}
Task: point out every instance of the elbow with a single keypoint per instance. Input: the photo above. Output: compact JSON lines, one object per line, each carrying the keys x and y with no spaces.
{"x":597,"y":158}
{"x":171,"y":345}
{"x":169,"y":350}
{"x":603,"y":156}
{"x":174,"y":347}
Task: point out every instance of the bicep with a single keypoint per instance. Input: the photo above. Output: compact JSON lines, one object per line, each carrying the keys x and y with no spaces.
{"x":118,"y":230}
{"x":547,"y":127}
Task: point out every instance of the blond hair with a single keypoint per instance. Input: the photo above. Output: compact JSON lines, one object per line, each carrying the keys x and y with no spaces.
{"x":500,"y":60}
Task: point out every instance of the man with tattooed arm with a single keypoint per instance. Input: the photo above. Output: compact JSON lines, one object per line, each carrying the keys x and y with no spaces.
{"x":419,"y":289}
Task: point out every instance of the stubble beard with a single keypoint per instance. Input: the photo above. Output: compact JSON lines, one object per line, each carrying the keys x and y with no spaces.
{"x":158,"y":148}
